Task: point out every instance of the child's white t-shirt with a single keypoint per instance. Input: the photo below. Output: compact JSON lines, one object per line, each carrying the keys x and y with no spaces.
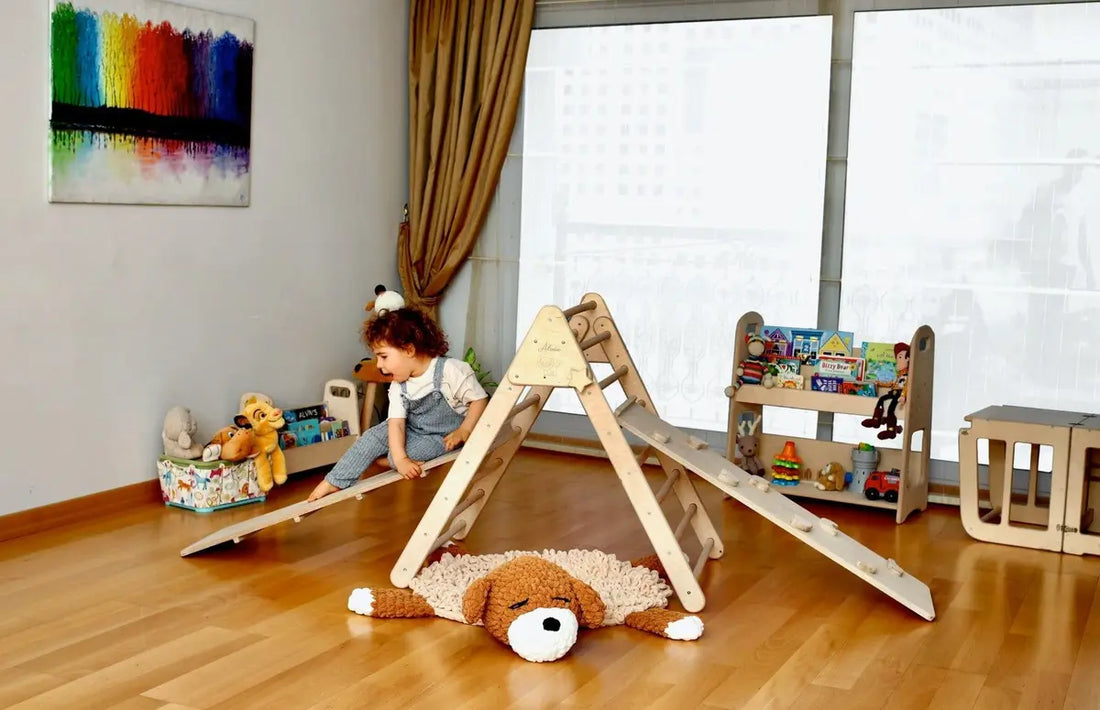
{"x":459,"y":386}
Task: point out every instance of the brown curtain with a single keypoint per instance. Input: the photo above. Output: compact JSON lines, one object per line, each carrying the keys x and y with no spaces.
{"x":466,"y":64}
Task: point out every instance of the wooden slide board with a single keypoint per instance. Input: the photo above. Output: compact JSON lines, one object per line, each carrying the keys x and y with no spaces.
{"x":297,"y":511}
{"x":755,"y":492}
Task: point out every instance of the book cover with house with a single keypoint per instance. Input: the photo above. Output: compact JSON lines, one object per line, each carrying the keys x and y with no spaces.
{"x":778,"y":341}
{"x":837,"y":343}
{"x":806,"y":344}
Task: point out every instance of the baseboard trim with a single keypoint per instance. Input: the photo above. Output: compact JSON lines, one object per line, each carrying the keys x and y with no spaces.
{"x":937,"y":492}
{"x":77,"y":510}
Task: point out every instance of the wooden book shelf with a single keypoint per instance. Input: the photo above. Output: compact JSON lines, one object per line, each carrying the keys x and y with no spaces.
{"x":915,"y":416}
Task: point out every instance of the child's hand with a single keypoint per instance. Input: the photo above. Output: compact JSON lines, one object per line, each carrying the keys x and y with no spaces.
{"x":323,"y":489}
{"x":409,"y":469}
{"x":455,"y":439}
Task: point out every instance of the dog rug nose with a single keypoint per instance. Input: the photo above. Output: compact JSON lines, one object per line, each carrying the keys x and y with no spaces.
{"x":551,"y":624}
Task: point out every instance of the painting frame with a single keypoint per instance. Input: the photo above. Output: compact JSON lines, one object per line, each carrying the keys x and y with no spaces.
{"x":150,"y":103}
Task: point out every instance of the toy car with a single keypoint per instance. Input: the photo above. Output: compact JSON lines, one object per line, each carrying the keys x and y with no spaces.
{"x":881,"y":484}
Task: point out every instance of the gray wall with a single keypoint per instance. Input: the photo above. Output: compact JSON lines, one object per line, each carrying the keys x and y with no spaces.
{"x":111,"y":314}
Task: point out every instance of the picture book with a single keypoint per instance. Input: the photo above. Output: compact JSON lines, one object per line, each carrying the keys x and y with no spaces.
{"x":806,"y":344}
{"x":778,"y":341}
{"x":836,"y":343}
{"x":310,"y":425}
{"x":789,"y":373}
{"x":825,"y":383}
{"x":846,"y":368}
{"x":860,"y":389}
{"x":803,"y":343}
{"x":880,"y":366}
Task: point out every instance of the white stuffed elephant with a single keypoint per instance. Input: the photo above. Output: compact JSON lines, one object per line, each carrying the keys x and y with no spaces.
{"x":179,"y":437}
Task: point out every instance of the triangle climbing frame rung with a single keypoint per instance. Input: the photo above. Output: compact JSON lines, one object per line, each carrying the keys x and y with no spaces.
{"x":557,"y":353}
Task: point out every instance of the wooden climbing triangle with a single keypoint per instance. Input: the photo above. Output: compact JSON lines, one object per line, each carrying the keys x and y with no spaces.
{"x":557,"y":353}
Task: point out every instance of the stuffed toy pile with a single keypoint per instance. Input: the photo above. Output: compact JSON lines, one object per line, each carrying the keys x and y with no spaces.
{"x":535,"y":602}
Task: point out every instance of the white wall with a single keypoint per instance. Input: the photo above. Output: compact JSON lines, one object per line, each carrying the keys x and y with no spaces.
{"x":111,"y":314}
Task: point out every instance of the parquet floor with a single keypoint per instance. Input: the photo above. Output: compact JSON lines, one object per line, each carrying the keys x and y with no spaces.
{"x":106,"y":614}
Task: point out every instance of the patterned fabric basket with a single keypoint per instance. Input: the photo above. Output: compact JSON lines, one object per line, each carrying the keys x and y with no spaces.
{"x":204,"y":486}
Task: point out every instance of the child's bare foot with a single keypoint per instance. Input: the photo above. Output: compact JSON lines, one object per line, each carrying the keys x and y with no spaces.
{"x":323,"y":489}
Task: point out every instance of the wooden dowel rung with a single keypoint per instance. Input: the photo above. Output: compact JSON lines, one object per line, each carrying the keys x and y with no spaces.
{"x":478,"y":495}
{"x":527,"y":403}
{"x":457,"y":526}
{"x":595,"y":340}
{"x":990,"y":515}
{"x":580,"y":308}
{"x":689,"y":513}
{"x":646,"y":453}
{"x":614,"y":377}
{"x":703,"y":557}
{"x":668,"y":484}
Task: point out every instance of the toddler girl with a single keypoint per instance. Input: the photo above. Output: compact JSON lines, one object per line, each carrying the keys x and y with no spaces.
{"x":435,"y":401}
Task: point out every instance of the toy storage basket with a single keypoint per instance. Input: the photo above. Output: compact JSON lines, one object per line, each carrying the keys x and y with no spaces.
{"x":205,"y":486}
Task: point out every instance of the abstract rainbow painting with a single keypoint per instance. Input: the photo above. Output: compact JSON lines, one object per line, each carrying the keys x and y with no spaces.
{"x":151,"y":104}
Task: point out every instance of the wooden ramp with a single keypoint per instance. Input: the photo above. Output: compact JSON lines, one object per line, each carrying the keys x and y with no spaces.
{"x":297,"y":511}
{"x":758,"y":494}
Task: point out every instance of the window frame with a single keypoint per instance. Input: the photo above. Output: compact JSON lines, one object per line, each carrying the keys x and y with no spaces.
{"x":494,"y":263}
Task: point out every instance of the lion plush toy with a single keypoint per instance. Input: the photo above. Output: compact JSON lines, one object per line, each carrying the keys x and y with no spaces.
{"x":535,"y":602}
{"x":265,"y":420}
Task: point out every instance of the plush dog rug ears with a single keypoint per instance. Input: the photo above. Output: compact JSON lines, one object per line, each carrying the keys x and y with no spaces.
{"x":475,"y":599}
{"x":592,"y":607}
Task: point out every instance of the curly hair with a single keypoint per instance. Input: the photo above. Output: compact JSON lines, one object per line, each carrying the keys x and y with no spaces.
{"x":406,"y":327}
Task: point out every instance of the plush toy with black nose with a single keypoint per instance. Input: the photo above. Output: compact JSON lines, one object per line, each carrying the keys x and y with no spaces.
{"x":536,"y":602}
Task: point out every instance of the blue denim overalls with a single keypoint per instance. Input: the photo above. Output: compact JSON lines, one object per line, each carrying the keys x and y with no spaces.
{"x":427,"y":421}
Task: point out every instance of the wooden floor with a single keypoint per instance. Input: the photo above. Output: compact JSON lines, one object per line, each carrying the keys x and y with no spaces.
{"x":106,"y":614}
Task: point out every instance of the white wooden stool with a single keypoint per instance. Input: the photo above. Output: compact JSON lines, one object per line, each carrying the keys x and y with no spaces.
{"x":1024,"y":524}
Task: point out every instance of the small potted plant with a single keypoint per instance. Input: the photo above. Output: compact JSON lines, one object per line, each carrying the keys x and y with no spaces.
{"x":483,"y":376}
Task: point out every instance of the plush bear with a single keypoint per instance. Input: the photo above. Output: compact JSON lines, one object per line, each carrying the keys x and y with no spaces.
{"x":535,"y":602}
{"x":833,"y":477}
{"x":178,"y":434}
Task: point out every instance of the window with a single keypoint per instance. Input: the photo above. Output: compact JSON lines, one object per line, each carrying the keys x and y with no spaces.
{"x":734,"y":223}
{"x":973,"y":203}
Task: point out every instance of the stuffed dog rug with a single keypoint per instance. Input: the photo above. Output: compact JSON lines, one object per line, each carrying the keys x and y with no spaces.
{"x":535,"y":602}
